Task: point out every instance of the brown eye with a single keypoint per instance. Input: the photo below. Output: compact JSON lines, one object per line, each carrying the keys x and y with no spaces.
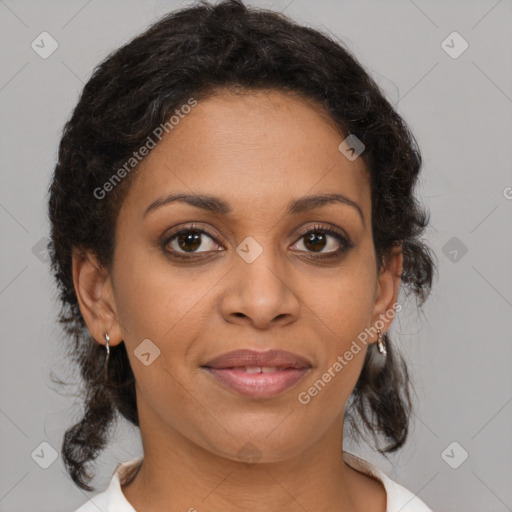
{"x":190,"y":240}
{"x":315,"y":241}
{"x":325,"y":242}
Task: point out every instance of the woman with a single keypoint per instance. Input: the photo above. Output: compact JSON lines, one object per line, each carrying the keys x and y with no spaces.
{"x":233,"y":218}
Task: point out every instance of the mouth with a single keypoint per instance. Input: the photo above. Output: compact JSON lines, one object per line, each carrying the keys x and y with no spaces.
{"x":258,"y":375}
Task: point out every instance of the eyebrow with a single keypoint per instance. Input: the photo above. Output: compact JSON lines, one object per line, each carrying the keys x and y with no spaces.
{"x":216,"y":205}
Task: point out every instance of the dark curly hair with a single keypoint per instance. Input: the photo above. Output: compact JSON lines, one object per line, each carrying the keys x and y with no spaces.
{"x":197,"y":51}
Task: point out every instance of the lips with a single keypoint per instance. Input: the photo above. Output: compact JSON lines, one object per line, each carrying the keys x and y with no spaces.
{"x":258,"y":374}
{"x":278,"y":359}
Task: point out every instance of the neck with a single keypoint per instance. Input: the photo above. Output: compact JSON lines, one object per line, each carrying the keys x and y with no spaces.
{"x":181,"y":474}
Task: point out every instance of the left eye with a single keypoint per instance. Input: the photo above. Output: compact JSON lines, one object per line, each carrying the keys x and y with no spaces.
{"x":319,"y":239}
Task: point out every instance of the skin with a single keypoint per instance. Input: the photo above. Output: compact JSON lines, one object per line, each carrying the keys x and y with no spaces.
{"x":257,"y":152}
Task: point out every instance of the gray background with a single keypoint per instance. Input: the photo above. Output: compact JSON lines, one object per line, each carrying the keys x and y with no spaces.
{"x":459,"y":348}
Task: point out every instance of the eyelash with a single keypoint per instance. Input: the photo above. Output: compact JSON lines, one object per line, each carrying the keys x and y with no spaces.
{"x":345,"y":242}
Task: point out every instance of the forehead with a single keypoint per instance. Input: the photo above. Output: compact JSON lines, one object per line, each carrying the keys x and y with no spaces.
{"x":256,"y":150}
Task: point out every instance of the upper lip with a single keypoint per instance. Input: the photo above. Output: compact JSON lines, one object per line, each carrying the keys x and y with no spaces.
{"x":253,"y":358}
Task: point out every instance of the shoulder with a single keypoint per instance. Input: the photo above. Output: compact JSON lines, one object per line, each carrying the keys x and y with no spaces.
{"x":112,"y":499}
{"x":399,"y":499}
{"x":97,"y":502}
{"x":403,"y":500}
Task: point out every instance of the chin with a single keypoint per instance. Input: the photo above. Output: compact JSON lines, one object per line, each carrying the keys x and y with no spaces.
{"x":265,"y":445}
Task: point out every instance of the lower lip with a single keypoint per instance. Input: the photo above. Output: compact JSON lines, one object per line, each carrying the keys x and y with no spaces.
{"x":258,"y":385}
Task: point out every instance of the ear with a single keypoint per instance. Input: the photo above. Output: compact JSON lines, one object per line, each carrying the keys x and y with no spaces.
{"x":93,"y":288}
{"x":388,"y":287}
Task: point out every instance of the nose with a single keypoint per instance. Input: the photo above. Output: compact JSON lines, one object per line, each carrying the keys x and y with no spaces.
{"x":260,"y":293}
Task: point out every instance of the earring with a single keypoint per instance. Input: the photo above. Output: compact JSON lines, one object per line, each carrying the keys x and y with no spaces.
{"x":107,"y":346}
{"x":380,"y":343}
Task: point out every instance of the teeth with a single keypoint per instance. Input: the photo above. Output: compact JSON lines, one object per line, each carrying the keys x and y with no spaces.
{"x":262,"y":369}
{"x":269,"y":369}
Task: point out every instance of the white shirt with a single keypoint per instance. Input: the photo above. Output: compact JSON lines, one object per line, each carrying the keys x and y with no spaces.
{"x":399,"y":499}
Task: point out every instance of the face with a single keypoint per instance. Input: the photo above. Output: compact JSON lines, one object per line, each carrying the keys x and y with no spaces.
{"x":245,"y":273}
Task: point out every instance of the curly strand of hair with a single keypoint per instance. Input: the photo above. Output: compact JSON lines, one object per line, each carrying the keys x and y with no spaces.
{"x":382,"y":399}
{"x":84,"y":441}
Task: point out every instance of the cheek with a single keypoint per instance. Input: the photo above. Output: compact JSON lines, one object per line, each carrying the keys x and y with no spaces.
{"x":344,"y":304}
{"x":342,"y":312}
{"x":167,"y":307}
{"x":156,"y":301}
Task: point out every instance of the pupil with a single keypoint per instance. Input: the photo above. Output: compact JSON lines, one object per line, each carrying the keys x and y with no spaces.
{"x":189,"y":240}
{"x":314,"y":238}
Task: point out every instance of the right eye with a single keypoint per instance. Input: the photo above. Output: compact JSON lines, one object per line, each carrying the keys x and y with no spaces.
{"x":190,"y":240}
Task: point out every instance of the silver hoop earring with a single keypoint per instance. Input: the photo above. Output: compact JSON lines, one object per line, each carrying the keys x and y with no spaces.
{"x":107,"y":346}
{"x":380,"y":343}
